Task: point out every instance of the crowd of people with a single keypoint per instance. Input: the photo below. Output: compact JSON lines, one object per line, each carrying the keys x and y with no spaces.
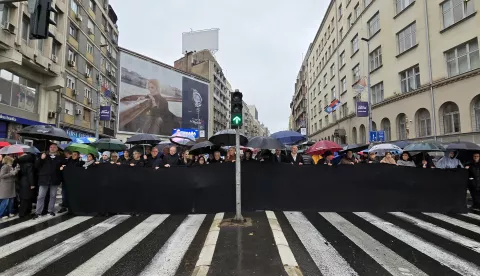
{"x":30,"y":179}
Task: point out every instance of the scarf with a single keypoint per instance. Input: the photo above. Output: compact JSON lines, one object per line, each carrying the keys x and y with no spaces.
{"x":88,"y":163}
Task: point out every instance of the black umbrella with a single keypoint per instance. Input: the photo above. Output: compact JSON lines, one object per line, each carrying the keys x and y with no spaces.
{"x":204,"y":148}
{"x":164,"y":144}
{"x":143,"y":138}
{"x":227,"y":138}
{"x":109,"y":144}
{"x":260,"y":142}
{"x":182,"y":141}
{"x":354,"y":148}
{"x":469,"y":146}
{"x":428,"y":146}
{"x":45,"y":132}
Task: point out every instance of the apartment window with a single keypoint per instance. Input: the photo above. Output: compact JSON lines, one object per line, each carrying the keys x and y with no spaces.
{"x":333,"y":44}
{"x":40,"y":45}
{"x":402,"y":126}
{"x":350,"y":21}
{"x":91,"y":27}
{"x":407,"y":38}
{"x":69,"y":109}
{"x":319,"y":87}
{"x":340,"y":11}
{"x":88,"y":93}
{"x":402,"y":4}
{"x":332,"y":70}
{"x":326,"y":120}
{"x":54,"y":17}
{"x":343,"y":110}
{"x":320,"y":124}
{"x":71,"y":55}
{"x":73,"y":31}
{"x":456,"y":10}
{"x":334,"y":93}
{"x":4,"y":14}
{"x":344,"y":84}
{"x":342,"y":59}
{"x":463,"y":58}
{"x":315,"y":129}
{"x":88,"y":70}
{"x":25,"y":27}
{"x":329,"y":50}
{"x":357,"y":11}
{"x":319,"y":107}
{"x":451,"y":118}
{"x":356,"y":73}
{"x":340,"y":33}
{"x":325,"y":100}
{"x":103,"y":40}
{"x":377,"y":93}
{"x":355,"y":44}
{"x":70,"y":82}
{"x":89,"y":48}
{"x":374,"y":24}
{"x":376,"y":58}
{"x":424,"y":123}
{"x":74,"y":6}
{"x":86,"y":115}
{"x":91,"y":4}
{"x":325,"y":79}
{"x":410,"y":79}
{"x":55,"y":47}
{"x":328,"y":30}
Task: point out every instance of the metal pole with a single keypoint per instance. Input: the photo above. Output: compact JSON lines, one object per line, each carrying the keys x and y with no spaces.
{"x":369,"y":90}
{"x":430,"y":77}
{"x":59,"y":108}
{"x":238,"y":181}
{"x":97,"y":111}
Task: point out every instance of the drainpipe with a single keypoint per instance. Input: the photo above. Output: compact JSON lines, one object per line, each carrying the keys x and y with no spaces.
{"x":59,"y":107}
{"x":430,"y":77}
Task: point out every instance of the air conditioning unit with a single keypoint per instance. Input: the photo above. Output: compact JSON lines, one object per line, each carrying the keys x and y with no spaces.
{"x":109,"y":73}
{"x":52,"y":115}
{"x":9,"y":27}
{"x":89,"y":101}
{"x":54,"y":58}
{"x":79,"y":112}
{"x":90,"y":31}
{"x":75,"y":92}
{"x":79,"y":17}
{"x":71,"y":63}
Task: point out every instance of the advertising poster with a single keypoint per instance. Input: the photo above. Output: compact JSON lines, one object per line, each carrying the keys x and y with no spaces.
{"x":154,"y":99}
{"x":362,"y":109}
{"x":105,"y":113}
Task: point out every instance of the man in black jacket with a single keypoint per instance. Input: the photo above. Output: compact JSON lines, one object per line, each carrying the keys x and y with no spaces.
{"x":152,"y":159}
{"x":171,"y":159}
{"x":294,"y":158}
{"x":26,"y":183}
{"x":72,"y":162}
{"x":48,"y":168}
{"x":474,"y":180}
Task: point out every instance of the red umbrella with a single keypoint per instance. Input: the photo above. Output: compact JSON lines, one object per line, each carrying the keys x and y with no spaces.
{"x":321,"y":147}
{"x":4,"y":144}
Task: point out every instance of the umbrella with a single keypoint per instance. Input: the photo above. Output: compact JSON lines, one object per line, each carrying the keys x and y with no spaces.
{"x":143,"y":138}
{"x":4,"y":144}
{"x":401,"y":144}
{"x":227,"y":138}
{"x":381,"y":149}
{"x":84,"y":140}
{"x":467,"y":146}
{"x":321,"y":147}
{"x":354,"y":148}
{"x":428,"y":146}
{"x":82,"y":148}
{"x":182,"y":141}
{"x":260,"y":142}
{"x":203,"y":148}
{"x":164,"y":144}
{"x":10,"y":141}
{"x":45,"y":132}
{"x":19,"y":148}
{"x":288,"y":137}
{"x":109,"y":144}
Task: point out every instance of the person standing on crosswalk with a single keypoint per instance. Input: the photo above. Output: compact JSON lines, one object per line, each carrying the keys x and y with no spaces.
{"x":474,"y":180}
{"x":7,"y":186}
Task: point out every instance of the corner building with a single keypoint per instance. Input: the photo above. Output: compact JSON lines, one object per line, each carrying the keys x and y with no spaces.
{"x":424,"y":67}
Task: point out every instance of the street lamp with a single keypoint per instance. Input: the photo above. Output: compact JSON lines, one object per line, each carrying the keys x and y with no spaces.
{"x":369,"y":91}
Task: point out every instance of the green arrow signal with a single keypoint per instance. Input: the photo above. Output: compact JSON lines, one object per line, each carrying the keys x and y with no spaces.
{"x":236,"y":120}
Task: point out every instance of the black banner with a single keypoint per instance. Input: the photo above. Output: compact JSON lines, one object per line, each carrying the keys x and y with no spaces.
{"x":277,"y":187}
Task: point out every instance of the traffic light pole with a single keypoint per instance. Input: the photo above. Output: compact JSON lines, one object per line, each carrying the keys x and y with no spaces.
{"x":238,"y":179}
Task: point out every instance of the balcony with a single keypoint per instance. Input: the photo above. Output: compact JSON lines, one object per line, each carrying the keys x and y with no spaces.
{"x":69,"y":119}
{"x":91,"y":13}
{"x":69,"y":93}
{"x":7,"y":39}
{"x":89,"y":57}
{"x":73,"y":42}
{"x":86,"y":124}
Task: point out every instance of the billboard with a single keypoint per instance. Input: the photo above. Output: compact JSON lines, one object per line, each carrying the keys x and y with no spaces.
{"x":105,"y":113}
{"x":362,"y":109}
{"x":200,"y":40}
{"x":155,"y":99}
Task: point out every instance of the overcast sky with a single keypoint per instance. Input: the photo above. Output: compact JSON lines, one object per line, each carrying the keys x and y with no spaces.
{"x":261,"y":42}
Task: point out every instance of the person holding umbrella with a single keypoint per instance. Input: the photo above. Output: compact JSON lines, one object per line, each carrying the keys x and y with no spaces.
{"x":348,"y":159}
{"x":294,"y":158}
{"x":171,"y":160}
{"x":7,"y":186}
{"x":155,"y":158}
{"x":217,"y":158}
{"x":450,"y":162}
{"x":26,"y":183}
{"x":474,"y":180}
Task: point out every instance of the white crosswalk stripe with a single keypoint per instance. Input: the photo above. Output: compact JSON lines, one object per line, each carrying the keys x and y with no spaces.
{"x":362,"y":232}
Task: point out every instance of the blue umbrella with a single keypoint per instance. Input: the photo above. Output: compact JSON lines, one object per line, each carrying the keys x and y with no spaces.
{"x":288,"y":137}
{"x":84,"y":140}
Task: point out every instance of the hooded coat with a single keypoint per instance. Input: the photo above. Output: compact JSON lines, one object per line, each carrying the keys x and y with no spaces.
{"x":448,"y":162}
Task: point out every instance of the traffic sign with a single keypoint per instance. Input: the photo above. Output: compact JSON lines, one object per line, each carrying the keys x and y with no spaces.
{"x":373,"y":136}
{"x":381,"y":135}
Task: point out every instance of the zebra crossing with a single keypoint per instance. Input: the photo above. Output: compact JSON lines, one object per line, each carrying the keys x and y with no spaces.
{"x":271,"y":243}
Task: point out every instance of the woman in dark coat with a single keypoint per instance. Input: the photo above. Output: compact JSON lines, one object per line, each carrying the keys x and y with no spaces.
{"x":26,"y":183}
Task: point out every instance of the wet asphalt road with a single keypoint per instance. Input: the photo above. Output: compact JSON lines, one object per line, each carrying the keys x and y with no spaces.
{"x":272,"y":243}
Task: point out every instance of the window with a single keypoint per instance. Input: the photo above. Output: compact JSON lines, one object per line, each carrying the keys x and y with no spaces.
{"x":319,"y":107}
{"x":54,"y":17}
{"x":402,"y":126}
{"x":463,"y":58}
{"x":25,"y":28}
{"x":315,"y":129}
{"x":363,"y":134}
{"x":476,"y":114}
{"x":340,"y":11}
{"x":70,"y":82}
{"x":355,"y":44}
{"x":350,"y":21}
{"x":74,"y":6}
{"x":341,"y":33}
{"x":456,"y":10}
{"x":451,"y":118}
{"x":343,"y":110}
{"x":55,"y":47}
{"x":4,"y":14}
{"x":344,"y":84}
{"x":357,"y":11}
{"x":366,"y":3}
{"x":329,"y":50}
{"x":407,"y":38}
{"x":86,"y":115}
{"x":91,"y":4}
{"x":342,"y":59}
{"x":71,"y":55}
{"x":374,"y":25}
{"x":326,"y":120}
{"x":319,"y":86}
{"x":356,"y":73}
{"x":40,"y":45}
{"x":91,"y":27}
{"x":103,"y":40}
{"x":332,"y":70}
{"x":385,"y":125}
{"x":354,"y":135}
{"x":410,"y":79}
{"x":333,"y":44}
{"x":325,"y":79}
{"x":376,"y":58}
{"x":88,"y":70}
{"x":320,"y":124}
{"x":377,"y":93}
{"x":73,"y":31}
{"x":89,"y":48}
{"x":424,"y":125}
{"x":88,"y":93}
{"x":69,"y":109}
{"x":402,"y":4}
{"x":334,"y":93}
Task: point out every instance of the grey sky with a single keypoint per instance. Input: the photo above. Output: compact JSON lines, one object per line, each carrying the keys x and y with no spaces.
{"x":261,"y":42}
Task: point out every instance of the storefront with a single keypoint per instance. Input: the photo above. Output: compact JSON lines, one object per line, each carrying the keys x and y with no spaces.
{"x":10,"y":125}
{"x":75,"y":133}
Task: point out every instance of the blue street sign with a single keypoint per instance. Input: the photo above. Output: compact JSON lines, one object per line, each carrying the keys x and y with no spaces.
{"x":381,"y":135}
{"x":373,"y":136}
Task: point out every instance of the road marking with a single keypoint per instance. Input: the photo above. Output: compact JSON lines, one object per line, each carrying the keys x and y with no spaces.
{"x":327,"y":259}
{"x":18,"y":245}
{"x":206,"y":255}
{"x":40,"y":261}
{"x":449,"y":235}
{"x":8,"y":219}
{"x":170,"y":256}
{"x":286,"y":254}
{"x":383,"y":255}
{"x":105,"y":259}
{"x":454,"y":221}
{"x":470,"y":215}
{"x":459,"y":265}
{"x":22,"y":225}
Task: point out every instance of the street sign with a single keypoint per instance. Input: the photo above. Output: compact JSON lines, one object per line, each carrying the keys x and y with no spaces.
{"x":373,"y":136}
{"x":381,"y":136}
{"x":303,"y":131}
{"x":362,"y":109}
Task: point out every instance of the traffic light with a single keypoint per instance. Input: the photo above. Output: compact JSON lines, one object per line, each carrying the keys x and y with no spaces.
{"x":40,"y":18}
{"x":236,"y":109}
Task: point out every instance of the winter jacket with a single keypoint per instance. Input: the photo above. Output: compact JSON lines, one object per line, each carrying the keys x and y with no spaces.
{"x":7,"y":181}
{"x":347,"y":161}
{"x":137,"y":163}
{"x":172,"y":160}
{"x":151,"y":161}
{"x":474,"y":172}
{"x":124,"y":161}
{"x":49,"y":170}
{"x":26,"y":176}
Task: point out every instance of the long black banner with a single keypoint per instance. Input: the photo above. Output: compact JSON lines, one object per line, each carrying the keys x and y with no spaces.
{"x":277,"y":187}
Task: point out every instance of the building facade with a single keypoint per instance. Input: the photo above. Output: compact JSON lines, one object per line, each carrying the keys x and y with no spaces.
{"x":423,"y":61}
{"x":204,"y":64}
{"x":91,"y":68}
{"x":299,"y":103}
{"x":31,"y":71}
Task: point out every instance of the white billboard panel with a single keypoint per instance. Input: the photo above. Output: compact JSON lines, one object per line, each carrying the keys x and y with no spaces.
{"x":200,"y":40}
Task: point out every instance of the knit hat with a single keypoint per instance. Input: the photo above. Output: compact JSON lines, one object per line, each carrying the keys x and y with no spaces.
{"x":107,"y":153}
